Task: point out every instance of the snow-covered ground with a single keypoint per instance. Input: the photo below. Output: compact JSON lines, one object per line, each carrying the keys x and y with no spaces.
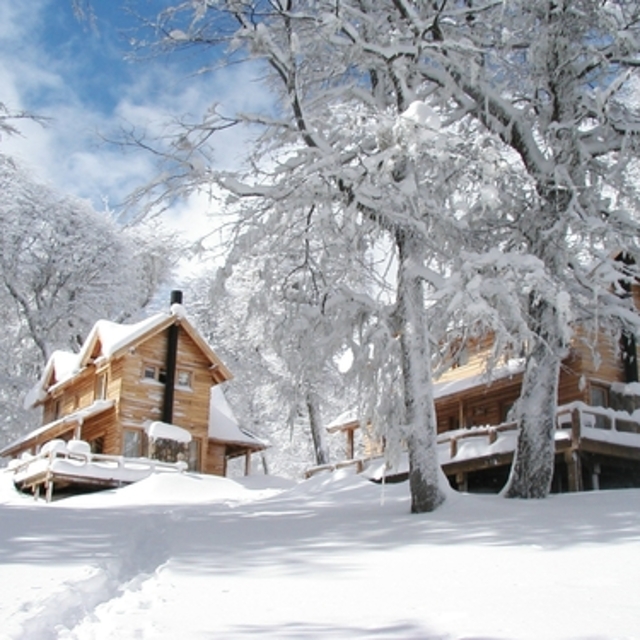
{"x":186,"y":556}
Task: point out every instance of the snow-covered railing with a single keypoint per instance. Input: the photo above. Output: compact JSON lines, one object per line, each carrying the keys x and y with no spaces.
{"x":75,"y":459}
{"x":602,"y":418}
{"x":490,"y":432}
{"x":358,"y":463}
{"x":574,"y":422}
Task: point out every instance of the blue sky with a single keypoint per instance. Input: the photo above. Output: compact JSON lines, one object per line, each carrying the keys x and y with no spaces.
{"x":55,"y":66}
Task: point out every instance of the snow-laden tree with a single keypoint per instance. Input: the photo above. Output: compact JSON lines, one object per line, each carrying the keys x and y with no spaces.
{"x":353,"y":147}
{"x":62,"y":267}
{"x":554,"y":80}
{"x":274,"y":306}
{"x":372,"y":95}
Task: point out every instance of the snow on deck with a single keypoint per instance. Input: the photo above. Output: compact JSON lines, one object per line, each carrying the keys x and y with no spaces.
{"x":484,"y":442}
{"x":73,"y":460}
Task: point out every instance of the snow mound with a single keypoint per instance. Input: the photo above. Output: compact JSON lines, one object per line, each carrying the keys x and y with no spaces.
{"x":177,"y":489}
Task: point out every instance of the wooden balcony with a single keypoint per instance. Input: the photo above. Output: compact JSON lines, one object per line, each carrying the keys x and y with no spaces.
{"x":71,"y":466}
{"x":585,"y":435}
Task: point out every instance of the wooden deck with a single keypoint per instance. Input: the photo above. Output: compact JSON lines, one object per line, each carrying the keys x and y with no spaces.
{"x":586,"y":438}
{"x":74,"y":469}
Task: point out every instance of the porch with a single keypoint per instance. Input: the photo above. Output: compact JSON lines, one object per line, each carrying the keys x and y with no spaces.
{"x":595,"y":448}
{"x":71,"y":467}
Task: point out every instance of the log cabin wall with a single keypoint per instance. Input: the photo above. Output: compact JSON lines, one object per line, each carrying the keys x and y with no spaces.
{"x":596,"y":365}
{"x":468,"y":361}
{"x":192,"y":393}
{"x":78,"y":393}
{"x":599,"y":354}
{"x":479,"y":406}
{"x":99,"y":432}
{"x":593,"y":360}
{"x":142,"y":393}
{"x":215,"y":461}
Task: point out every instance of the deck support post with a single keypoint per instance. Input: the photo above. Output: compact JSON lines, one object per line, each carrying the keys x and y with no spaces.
{"x":49,"y":486}
{"x":247,"y":463}
{"x":350,"y":444}
{"x":572,"y":457}
{"x":574,"y":470}
{"x":576,"y":423}
{"x":595,"y":477}
{"x":462,"y":481}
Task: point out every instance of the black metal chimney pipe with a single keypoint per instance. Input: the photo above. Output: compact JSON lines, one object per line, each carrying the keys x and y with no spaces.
{"x":627,"y":339}
{"x":171,"y":360}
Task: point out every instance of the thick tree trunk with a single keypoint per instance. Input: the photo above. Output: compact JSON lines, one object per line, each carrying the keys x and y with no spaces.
{"x":420,"y":413}
{"x":320,"y":446}
{"x":532,"y":468}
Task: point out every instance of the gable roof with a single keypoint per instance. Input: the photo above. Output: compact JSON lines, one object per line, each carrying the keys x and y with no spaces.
{"x":108,"y":340}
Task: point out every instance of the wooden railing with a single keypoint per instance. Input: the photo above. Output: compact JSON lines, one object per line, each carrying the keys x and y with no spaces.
{"x":43,"y":473}
{"x":572,"y":419}
{"x":602,"y":418}
{"x":490,"y":432}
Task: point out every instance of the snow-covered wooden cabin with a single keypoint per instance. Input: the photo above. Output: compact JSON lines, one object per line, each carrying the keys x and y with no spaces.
{"x":598,"y":434}
{"x":146,"y":390}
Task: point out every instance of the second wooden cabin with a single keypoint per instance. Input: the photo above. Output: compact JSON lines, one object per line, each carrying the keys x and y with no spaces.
{"x":598,"y":440}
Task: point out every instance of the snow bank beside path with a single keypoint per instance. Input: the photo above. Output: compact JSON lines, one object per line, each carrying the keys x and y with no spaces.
{"x":178,"y":489}
{"x":333,"y":557}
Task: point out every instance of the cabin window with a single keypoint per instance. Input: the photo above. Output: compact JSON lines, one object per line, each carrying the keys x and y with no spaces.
{"x":97,"y":445}
{"x":183,"y":378}
{"x":101,"y":386}
{"x":132,"y":443}
{"x":599,"y":397}
{"x":57,"y":409}
{"x":152,"y":372}
{"x":506,"y":411}
{"x":149,"y":373}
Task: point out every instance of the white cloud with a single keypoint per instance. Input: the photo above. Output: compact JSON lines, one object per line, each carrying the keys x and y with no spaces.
{"x":70,"y":152}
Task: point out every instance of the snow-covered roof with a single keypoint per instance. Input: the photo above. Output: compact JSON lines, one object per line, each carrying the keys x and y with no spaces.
{"x":446,"y":388}
{"x":114,"y":337}
{"x":450,"y":387}
{"x":108,"y":339}
{"x":224,"y":426}
{"x":77,"y":417}
{"x":61,"y":366}
{"x":347,"y":417}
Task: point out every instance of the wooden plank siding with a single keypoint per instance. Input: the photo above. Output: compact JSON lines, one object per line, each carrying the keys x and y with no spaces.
{"x":67,"y":398}
{"x":124,"y":367}
{"x":141,"y":399}
{"x":99,"y":427}
{"x":593,"y":360}
{"x":486,"y":405}
{"x":215,"y":460}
